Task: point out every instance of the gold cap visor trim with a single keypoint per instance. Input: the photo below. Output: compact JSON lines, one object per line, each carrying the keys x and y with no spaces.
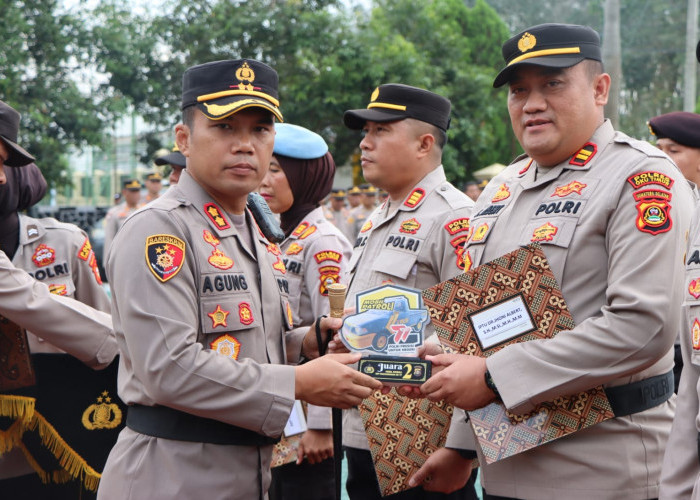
{"x":546,"y":52}
{"x":219,"y":112}
{"x":387,"y":106}
{"x":227,"y":93}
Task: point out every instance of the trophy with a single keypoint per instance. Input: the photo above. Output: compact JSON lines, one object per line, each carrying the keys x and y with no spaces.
{"x":388,"y":330}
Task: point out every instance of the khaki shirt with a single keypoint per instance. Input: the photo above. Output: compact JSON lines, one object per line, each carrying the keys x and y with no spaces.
{"x":355,"y":220}
{"x":200,"y":316}
{"x":114,"y":219}
{"x":616,"y":256}
{"x":416,"y":245}
{"x":339,"y":218}
{"x":680,"y":477}
{"x":315,"y":254}
{"x":60,"y":256}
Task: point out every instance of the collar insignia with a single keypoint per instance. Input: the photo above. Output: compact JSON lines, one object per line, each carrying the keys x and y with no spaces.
{"x":216,"y":216}
{"x":584,"y":155}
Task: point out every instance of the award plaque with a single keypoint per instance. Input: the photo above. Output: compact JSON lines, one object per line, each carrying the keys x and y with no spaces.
{"x":514,"y":298}
{"x":388,"y":330}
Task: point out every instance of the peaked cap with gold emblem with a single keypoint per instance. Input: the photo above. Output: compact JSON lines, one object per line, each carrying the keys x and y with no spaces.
{"x":549,"y":45}
{"x":173,"y":158}
{"x":221,"y":88}
{"x":394,"y":101}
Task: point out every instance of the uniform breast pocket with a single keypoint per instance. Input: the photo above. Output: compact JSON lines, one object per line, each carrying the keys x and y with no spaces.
{"x":398,"y":265}
{"x":61,"y":287}
{"x":228,"y":322}
{"x":555,"y":236}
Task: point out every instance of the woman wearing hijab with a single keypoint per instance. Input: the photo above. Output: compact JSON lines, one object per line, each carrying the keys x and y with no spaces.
{"x":315,"y":254}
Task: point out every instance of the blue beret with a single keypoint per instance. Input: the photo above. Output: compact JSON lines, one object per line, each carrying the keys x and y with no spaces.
{"x":297,"y":142}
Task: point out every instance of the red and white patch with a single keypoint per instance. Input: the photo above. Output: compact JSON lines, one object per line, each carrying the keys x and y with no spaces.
{"x":545,"y":232}
{"x":328,"y":255}
{"x":650,"y":177}
{"x":457,"y":225}
{"x":654,"y":216}
{"x":570,"y":188}
{"x":695,"y":330}
{"x":294,"y":249}
{"x":458,"y":244}
{"x":218,"y":317}
{"x":245,"y":313}
{"x":328,"y":275}
{"x":227,"y":345}
{"x":503,"y":193}
{"x":84,"y":252}
{"x":216,"y":215}
{"x":410,"y":226}
{"x":694,"y":288}
{"x":414,"y":199}
{"x":44,"y":256}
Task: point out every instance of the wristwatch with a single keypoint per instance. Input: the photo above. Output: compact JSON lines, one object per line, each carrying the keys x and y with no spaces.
{"x":491,"y":384}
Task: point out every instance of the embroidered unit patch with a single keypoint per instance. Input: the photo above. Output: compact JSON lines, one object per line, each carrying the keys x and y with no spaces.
{"x":164,"y":255}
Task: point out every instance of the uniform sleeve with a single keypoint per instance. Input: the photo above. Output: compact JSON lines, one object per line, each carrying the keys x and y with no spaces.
{"x":637,"y":323}
{"x":450,"y":236}
{"x":681,"y":466}
{"x":157,"y":325}
{"x":110,"y":231}
{"x":66,"y":323}
{"x":86,"y":277}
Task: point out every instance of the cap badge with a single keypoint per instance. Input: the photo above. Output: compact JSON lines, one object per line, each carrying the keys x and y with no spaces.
{"x":527,"y":42}
{"x":245,"y":74}
{"x":375,"y":95}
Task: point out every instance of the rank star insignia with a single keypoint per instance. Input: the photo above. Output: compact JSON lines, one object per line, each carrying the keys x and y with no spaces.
{"x":502,"y":194}
{"x":572,"y":187}
{"x":227,"y":346}
{"x":44,"y":256}
{"x":696,"y":334}
{"x":216,"y":216}
{"x":245,"y":313}
{"x":410,"y":226}
{"x":218,"y":317}
{"x":694,"y":288}
{"x":545,"y":232}
{"x":164,"y":255}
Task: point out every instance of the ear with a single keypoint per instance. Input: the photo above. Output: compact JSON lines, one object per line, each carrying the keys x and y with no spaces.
{"x":425,"y":144}
{"x":601,"y":89}
{"x":182,"y":138}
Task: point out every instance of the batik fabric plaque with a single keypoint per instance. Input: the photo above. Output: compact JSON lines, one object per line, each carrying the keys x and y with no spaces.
{"x":491,"y":294}
{"x":402,"y":434}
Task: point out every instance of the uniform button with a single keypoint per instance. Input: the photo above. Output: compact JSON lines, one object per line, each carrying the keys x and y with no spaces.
{"x":443,"y":188}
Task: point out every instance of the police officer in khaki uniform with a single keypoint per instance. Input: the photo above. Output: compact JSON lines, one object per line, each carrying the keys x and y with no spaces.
{"x":358,"y":215}
{"x":201,"y":308}
{"x":336,"y":211}
{"x":680,"y":476}
{"x":611,"y":214}
{"x":177,"y":163}
{"x":131,"y":193}
{"x":154,"y":183}
{"x":316,"y":254}
{"x":414,"y":239}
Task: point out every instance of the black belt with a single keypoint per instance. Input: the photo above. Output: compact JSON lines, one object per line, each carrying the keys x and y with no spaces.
{"x":639,"y":396}
{"x":168,"y":423}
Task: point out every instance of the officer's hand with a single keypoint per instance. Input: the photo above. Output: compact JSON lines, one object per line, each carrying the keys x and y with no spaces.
{"x":461,"y":382}
{"x":413,"y":391}
{"x":309,"y":346}
{"x":336,"y":345}
{"x":315,"y":446}
{"x":444,"y":471}
{"x":327,"y":381}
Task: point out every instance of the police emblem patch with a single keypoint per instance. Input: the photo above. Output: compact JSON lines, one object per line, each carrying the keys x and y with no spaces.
{"x":457,"y":225}
{"x":294,"y":249}
{"x":164,"y":255}
{"x":545,"y":232}
{"x":245,"y":313}
{"x":654,"y":216}
{"x":694,"y":288}
{"x":102,"y":415}
{"x":366,"y":226}
{"x":218,"y":316}
{"x":410,"y":226}
{"x":696,"y":334}
{"x":43,"y":256}
{"x":458,"y":244}
{"x":216,"y":215}
{"x":502,"y":194}
{"x":226,"y":345}
{"x":328,"y":276}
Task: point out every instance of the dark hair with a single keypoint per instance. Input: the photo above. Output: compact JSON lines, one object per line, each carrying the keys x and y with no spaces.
{"x":188,"y":116}
{"x":440,"y":137}
{"x":593,"y":68}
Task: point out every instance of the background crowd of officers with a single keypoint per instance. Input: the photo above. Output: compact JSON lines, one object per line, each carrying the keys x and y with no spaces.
{"x":219,"y":322}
